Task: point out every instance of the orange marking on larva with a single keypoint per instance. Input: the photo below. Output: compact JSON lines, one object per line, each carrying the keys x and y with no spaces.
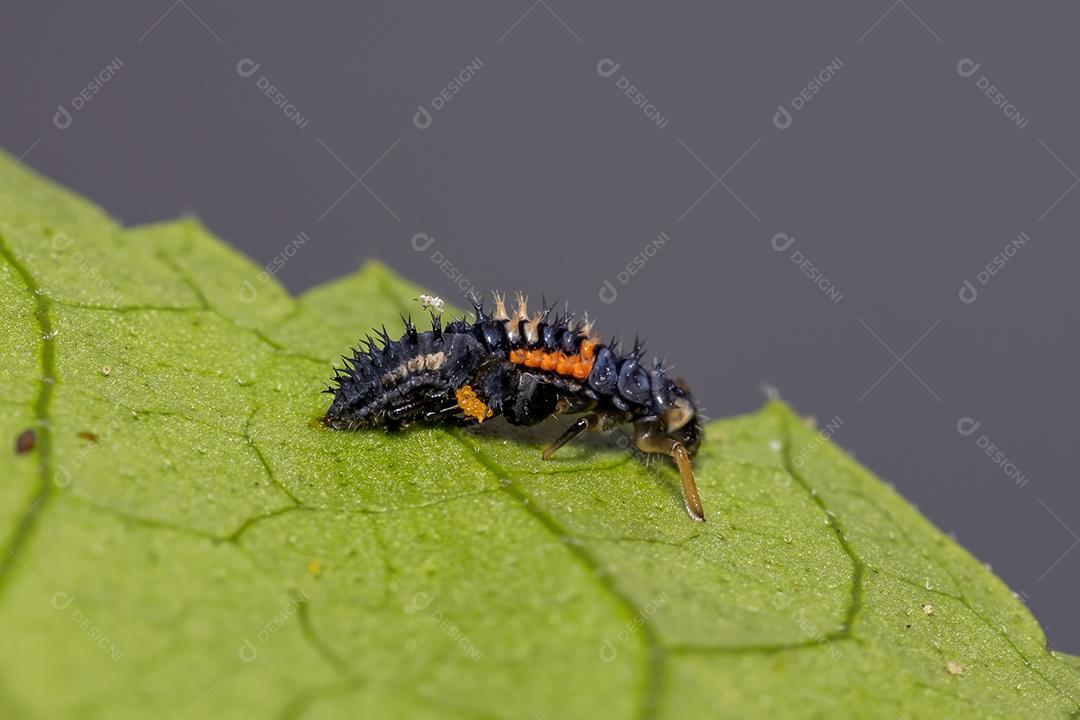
{"x":566,"y":365}
{"x":533,"y":358}
{"x":517,"y":356}
{"x":587,"y":349}
{"x":582,"y":369}
{"x":550,"y":361}
{"x":471,"y":405}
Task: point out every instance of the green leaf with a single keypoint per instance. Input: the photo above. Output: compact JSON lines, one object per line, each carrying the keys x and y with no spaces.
{"x":185,"y":539}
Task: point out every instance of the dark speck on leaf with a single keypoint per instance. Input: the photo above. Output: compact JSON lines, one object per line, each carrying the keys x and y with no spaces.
{"x":88,"y":436}
{"x":25,"y":442}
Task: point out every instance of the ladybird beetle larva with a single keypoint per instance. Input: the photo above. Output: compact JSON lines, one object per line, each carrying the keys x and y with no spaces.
{"x":525,"y":368}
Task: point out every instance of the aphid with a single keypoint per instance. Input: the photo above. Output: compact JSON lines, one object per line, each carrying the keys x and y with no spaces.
{"x":431,"y":302}
{"x":525,"y":368}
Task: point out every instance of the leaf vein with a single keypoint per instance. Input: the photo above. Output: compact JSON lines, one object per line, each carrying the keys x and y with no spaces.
{"x":42,"y":494}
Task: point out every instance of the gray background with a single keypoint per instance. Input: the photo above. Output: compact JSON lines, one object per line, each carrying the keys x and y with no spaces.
{"x":898,"y":180}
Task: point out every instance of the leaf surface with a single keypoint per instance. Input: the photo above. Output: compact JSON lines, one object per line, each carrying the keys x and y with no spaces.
{"x":186,"y":540}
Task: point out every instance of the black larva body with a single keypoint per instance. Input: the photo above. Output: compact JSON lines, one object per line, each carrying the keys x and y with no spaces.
{"x":370,"y":393}
{"x":525,"y":369}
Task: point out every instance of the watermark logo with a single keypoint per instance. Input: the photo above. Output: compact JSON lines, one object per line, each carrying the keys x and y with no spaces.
{"x":609,"y":647}
{"x":422,"y":242}
{"x":607,"y":68}
{"x":64,"y":117}
{"x":810,"y":448}
{"x":423,"y":117}
{"x":969,"y":293}
{"x":64,"y":243}
{"x":967,"y":68}
{"x":248,"y":292}
{"x":608,"y":293}
{"x":62,"y":601}
{"x":783,"y":117}
{"x":66,"y":471}
{"x":247,"y":68}
{"x":249,"y":649}
{"x":967,"y":427}
{"x":782,"y":601}
{"x":421,"y":601}
{"x":781,"y":242}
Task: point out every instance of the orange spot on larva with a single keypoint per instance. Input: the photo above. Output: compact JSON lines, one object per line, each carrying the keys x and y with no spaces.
{"x":517,"y":356}
{"x":587,"y":349}
{"x":582,"y":370}
{"x":533,"y":358}
{"x":566,"y":365}
{"x":550,"y":361}
{"x":471,"y":405}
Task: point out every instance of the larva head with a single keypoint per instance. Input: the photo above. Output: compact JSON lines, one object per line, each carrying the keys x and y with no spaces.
{"x":677,"y":412}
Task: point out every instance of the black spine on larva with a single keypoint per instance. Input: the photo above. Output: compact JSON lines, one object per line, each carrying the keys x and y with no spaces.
{"x":478,"y":311}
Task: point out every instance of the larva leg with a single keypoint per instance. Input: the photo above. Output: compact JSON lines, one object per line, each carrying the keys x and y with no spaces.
{"x":580,"y":425}
{"x":650,"y":438}
{"x":446,"y":414}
